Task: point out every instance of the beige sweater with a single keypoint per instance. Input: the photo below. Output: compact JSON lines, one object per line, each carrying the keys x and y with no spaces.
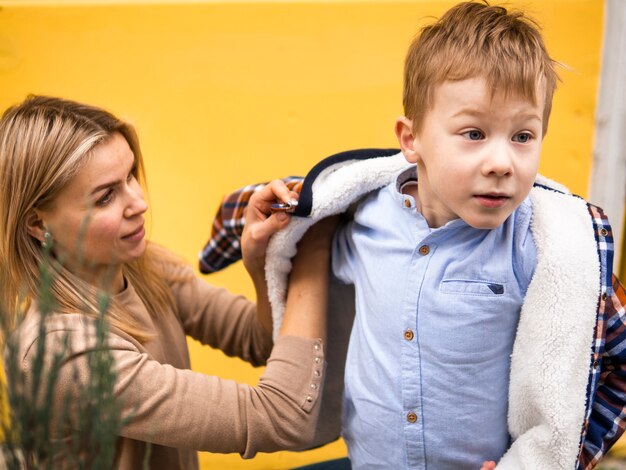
{"x":181,"y":411}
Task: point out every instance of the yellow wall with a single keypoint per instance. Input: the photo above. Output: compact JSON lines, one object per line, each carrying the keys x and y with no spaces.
{"x":227,"y":93}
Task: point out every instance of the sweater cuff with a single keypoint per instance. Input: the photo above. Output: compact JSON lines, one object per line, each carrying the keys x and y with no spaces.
{"x":298,"y":364}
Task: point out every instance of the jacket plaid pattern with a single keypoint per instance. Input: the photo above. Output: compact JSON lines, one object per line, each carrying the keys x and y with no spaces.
{"x":224,"y":245}
{"x":606,"y":417}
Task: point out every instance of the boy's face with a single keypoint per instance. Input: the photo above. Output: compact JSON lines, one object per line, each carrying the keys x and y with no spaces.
{"x":477,"y":154}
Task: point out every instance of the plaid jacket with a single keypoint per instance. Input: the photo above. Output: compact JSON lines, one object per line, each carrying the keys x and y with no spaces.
{"x":605,"y":416}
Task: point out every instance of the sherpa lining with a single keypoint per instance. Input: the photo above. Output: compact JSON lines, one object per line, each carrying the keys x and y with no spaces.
{"x":552,"y":351}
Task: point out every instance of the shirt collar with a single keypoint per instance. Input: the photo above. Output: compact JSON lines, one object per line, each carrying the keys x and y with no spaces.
{"x":409,"y":176}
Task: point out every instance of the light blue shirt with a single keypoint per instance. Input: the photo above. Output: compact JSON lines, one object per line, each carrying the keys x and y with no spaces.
{"x":426,"y":384}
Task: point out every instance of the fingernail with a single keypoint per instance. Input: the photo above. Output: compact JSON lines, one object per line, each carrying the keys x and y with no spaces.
{"x":282,"y":217}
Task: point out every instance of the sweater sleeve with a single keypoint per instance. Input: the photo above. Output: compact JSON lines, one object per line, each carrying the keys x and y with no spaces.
{"x":217,"y":318}
{"x":185,"y":409}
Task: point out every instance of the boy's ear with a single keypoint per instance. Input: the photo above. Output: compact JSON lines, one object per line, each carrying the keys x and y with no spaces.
{"x":34,"y":225}
{"x":406,"y":139}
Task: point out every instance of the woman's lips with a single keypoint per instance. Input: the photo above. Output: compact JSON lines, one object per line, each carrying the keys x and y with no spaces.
{"x":137,"y":235}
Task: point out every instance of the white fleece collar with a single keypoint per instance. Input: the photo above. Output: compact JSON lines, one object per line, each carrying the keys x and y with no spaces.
{"x":334,"y":190}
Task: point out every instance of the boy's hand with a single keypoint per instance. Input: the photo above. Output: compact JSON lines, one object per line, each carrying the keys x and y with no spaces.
{"x":261,"y":224}
{"x":488,"y":465}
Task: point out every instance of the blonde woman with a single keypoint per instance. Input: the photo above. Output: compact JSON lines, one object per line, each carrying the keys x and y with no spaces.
{"x":70,"y":185}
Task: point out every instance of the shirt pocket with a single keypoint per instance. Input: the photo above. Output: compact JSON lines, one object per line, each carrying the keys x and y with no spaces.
{"x":470,"y":313}
{"x":488,"y":288}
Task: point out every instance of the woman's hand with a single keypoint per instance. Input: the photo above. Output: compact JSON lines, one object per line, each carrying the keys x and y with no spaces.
{"x":260,"y":225}
{"x":488,"y":465}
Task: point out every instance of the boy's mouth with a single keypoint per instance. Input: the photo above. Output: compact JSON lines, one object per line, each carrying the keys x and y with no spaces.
{"x":492,"y":200}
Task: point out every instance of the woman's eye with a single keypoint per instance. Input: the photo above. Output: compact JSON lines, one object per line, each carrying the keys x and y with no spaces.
{"x":522,"y":137}
{"x":106,"y":198}
{"x":131,"y":176}
{"x":474,"y":135}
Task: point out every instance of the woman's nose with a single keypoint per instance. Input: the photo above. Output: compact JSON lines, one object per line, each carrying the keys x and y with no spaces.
{"x":137,"y":204}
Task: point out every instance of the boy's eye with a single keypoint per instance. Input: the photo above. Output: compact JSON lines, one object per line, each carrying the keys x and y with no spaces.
{"x":474,"y":135}
{"x":522,"y":137}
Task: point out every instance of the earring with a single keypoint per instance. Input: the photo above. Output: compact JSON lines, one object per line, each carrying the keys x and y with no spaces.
{"x":47,"y":239}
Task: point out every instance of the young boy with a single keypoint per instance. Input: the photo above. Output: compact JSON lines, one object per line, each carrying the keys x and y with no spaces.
{"x":488,"y":326}
{"x":427,"y":372}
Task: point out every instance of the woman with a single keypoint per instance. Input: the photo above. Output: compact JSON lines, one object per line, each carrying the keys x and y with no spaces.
{"x":70,"y":186}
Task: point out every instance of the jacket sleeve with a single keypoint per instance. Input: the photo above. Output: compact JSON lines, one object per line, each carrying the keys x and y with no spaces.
{"x":224,"y":245}
{"x":185,"y":409}
{"x":608,"y":414}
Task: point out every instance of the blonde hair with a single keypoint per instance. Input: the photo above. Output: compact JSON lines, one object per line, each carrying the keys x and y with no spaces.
{"x":44,"y":142}
{"x":478,"y":40}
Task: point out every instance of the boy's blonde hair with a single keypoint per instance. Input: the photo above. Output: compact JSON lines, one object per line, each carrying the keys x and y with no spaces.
{"x":44,"y":143}
{"x":478,"y":40}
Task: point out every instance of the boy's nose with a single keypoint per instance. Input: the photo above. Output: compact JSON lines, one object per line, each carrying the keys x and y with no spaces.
{"x":498,"y":161}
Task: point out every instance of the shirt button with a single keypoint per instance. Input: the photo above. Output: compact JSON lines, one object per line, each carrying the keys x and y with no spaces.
{"x":604,"y":232}
{"x":424,"y":250}
{"x":407,"y":203}
{"x":411,"y":417}
{"x":408,"y":335}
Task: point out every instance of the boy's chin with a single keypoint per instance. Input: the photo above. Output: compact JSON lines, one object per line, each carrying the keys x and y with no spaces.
{"x":486,"y":223}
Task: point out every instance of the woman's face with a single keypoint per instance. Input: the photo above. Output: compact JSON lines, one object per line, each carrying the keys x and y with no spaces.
{"x":97,"y":221}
